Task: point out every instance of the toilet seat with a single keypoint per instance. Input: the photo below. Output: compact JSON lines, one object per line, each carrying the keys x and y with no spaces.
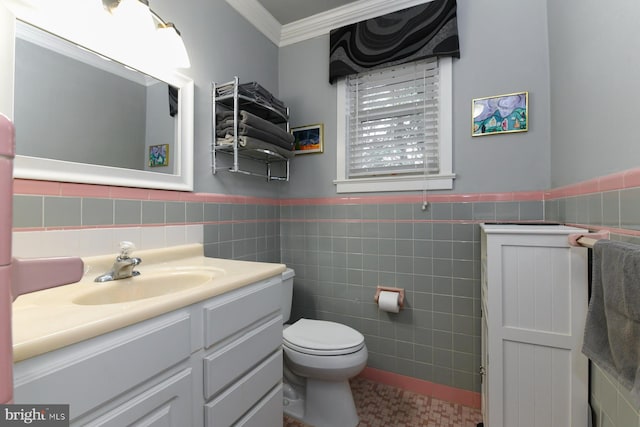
{"x":322,"y":338}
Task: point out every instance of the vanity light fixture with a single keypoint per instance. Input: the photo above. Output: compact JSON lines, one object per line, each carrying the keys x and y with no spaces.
{"x":137,"y":16}
{"x":134,"y":15}
{"x":170,"y":38}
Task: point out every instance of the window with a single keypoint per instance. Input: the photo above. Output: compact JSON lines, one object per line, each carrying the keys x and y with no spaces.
{"x":394,"y":128}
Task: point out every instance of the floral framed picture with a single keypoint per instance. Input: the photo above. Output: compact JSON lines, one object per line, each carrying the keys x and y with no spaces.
{"x":308,"y":139}
{"x":159,"y":155}
{"x":500,"y":114}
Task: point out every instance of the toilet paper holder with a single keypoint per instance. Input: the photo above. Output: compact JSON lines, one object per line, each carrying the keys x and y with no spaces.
{"x":389,"y":289}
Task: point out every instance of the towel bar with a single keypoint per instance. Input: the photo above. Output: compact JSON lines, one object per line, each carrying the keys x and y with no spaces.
{"x":589,"y":239}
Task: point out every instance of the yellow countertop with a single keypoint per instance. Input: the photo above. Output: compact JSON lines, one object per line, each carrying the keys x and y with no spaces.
{"x":48,"y":320}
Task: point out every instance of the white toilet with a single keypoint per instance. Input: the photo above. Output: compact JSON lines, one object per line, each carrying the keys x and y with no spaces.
{"x":319,"y":359}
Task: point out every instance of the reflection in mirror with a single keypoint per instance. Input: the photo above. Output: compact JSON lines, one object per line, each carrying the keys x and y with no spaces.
{"x":74,"y":105}
{"x":97,"y":131}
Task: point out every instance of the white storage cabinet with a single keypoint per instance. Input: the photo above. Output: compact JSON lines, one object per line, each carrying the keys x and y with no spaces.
{"x":534,"y":303}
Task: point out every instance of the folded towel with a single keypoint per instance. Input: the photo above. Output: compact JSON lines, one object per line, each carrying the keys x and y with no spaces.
{"x":256,"y":92}
{"x":254,"y":126}
{"x":249,"y":142}
{"x":612,"y":329}
{"x":248,"y":130}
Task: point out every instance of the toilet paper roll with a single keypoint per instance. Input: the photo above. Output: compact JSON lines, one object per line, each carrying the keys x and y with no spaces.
{"x":388,"y":301}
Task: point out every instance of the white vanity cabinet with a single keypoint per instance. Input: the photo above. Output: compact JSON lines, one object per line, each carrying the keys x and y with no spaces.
{"x":243,"y":357}
{"x":534,"y":302}
{"x":215,"y":363}
{"x":130,"y":374}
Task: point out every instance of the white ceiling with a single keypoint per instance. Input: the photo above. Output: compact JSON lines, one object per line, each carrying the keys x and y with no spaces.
{"x":287,"y":11}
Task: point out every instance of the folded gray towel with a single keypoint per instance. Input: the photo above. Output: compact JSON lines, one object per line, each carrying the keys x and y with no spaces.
{"x":245,"y":118}
{"x":249,"y":142}
{"x":612,"y":329}
{"x":256,"y":92}
{"x":247,"y":130}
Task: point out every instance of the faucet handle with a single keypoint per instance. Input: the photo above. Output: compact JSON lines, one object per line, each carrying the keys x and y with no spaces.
{"x":126,"y":248}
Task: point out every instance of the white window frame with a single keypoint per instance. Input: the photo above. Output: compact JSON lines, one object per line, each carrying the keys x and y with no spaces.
{"x":441,"y":181}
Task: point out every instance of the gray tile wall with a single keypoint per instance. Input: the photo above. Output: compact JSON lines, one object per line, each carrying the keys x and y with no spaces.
{"x":611,"y":404}
{"x":245,"y":232}
{"x":235,"y":231}
{"x":617,"y":209}
{"x":342,"y":252}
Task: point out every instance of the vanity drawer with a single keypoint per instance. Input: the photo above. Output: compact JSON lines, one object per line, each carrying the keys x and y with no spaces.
{"x":227,"y":408}
{"x":235,"y":311}
{"x":97,"y":370}
{"x":267,"y":413}
{"x":232,"y":361}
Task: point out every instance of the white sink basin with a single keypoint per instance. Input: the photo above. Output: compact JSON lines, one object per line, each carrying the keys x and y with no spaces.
{"x":147,"y":285}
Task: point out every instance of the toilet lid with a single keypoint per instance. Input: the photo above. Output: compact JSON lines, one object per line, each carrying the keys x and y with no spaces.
{"x":322,"y":337}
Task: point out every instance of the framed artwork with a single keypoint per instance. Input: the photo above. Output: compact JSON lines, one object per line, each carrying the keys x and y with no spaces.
{"x":500,"y":114}
{"x":308,"y":139}
{"x":159,"y":155}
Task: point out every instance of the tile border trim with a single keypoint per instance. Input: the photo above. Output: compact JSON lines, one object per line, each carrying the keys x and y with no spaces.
{"x":522,"y":196}
{"x":612,"y":230}
{"x":66,"y":189}
{"x":163,"y":224}
{"x":617,"y":181}
{"x":427,"y":388}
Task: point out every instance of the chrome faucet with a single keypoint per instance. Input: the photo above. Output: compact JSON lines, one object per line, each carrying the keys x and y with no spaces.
{"x":124,"y":265}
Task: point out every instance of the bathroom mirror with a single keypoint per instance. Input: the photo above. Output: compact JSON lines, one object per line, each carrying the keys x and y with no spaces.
{"x":95,"y":118}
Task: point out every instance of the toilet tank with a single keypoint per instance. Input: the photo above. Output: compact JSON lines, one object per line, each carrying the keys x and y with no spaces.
{"x":287,"y":294}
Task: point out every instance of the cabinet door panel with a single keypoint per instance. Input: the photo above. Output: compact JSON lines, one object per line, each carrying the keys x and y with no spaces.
{"x":167,"y":404}
{"x":538,"y":391}
{"x":96,"y":371}
{"x":535,"y":288}
{"x":534,"y":302}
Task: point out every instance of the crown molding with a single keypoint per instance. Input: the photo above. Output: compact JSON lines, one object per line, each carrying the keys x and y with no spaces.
{"x":351,"y":13}
{"x":257,"y":15}
{"x":319,"y":24}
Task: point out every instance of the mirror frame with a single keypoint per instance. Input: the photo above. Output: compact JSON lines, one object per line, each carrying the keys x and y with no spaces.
{"x":54,"y":170}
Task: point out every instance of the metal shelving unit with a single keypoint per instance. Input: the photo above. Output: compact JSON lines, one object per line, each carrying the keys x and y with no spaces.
{"x":234,"y":101}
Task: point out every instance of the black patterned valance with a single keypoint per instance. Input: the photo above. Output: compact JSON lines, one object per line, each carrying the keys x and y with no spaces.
{"x":422,"y":31}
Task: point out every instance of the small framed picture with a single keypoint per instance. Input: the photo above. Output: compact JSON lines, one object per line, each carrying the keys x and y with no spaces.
{"x":159,"y":155}
{"x":500,"y":114}
{"x":308,"y":139}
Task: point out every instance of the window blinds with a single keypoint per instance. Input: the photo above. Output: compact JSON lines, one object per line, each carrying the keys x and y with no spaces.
{"x":393,"y":120}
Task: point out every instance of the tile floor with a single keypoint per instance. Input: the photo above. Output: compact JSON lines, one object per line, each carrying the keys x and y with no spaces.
{"x":381,"y":405}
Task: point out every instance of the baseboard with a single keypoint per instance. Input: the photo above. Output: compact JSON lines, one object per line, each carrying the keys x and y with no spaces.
{"x":427,"y":388}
